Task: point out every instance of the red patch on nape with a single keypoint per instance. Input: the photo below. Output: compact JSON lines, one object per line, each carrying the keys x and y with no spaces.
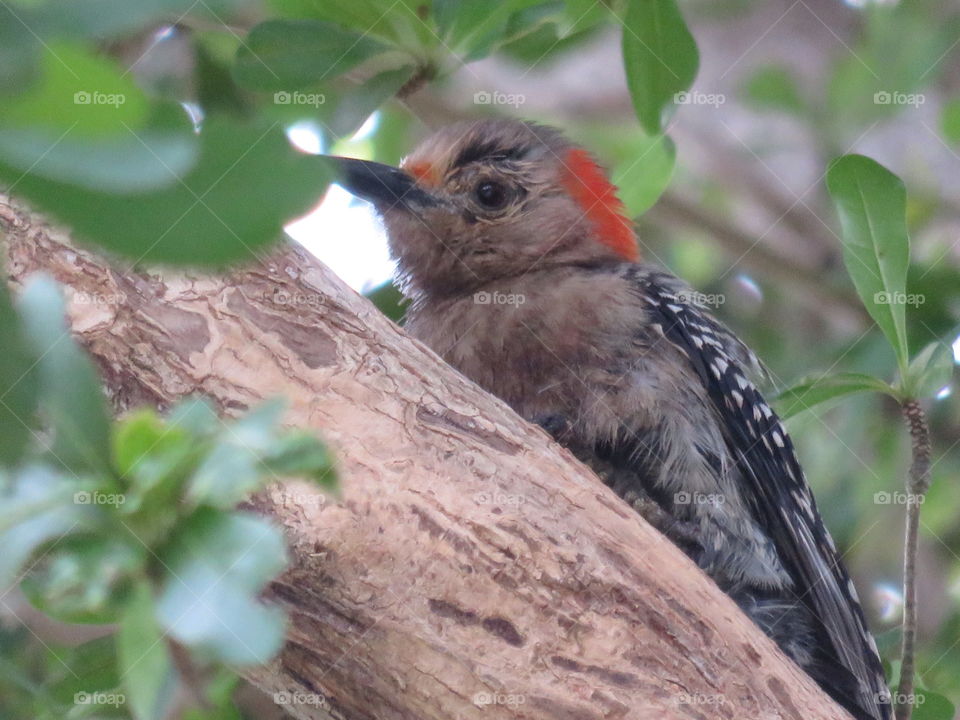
{"x":590,"y":188}
{"x":425,"y":173}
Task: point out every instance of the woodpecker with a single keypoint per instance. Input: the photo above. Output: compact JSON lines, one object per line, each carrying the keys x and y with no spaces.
{"x":523,"y":272}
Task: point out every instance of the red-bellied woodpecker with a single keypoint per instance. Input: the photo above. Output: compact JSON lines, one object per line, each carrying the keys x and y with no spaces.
{"x":523,"y":273}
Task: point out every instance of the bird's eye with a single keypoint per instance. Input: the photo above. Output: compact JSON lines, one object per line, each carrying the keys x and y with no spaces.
{"x":491,"y":195}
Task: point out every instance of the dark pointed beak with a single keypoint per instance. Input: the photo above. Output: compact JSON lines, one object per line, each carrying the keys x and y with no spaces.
{"x":383,"y":185}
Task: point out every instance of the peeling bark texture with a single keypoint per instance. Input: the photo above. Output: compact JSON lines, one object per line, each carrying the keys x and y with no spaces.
{"x":473,"y":568}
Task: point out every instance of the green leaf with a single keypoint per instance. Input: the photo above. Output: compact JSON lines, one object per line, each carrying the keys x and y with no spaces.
{"x":70,"y":395}
{"x":660,"y":57}
{"x":301,"y":454}
{"x":195,"y":415}
{"x":929,"y":371}
{"x":645,"y":172}
{"x":370,"y":17}
{"x":154,"y":459}
{"x":389,"y":300}
{"x":391,"y":140}
{"x":255,"y":450}
{"x":147,"y":672}
{"x":900,"y":53}
{"x":346,"y":110}
{"x":18,"y":382}
{"x":580,"y":15}
{"x":235,"y":466}
{"x":233,"y":203}
{"x":36,"y":507}
{"x":871,"y":202}
{"x":19,"y":53}
{"x":950,"y":120}
{"x":933,"y":707}
{"x":93,"y":668}
{"x":808,"y":393}
{"x":85,"y":578}
{"x":288,"y":55}
{"x":130,"y":161}
{"x":473,"y":28}
{"x":216,"y":90}
{"x":79,"y":93}
{"x":218,"y":563}
{"x":100,"y":19}
{"x":220,"y":691}
{"x":140,"y":438}
{"x":774,"y":88}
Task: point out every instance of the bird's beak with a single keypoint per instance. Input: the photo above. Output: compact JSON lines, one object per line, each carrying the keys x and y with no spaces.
{"x":383,"y":185}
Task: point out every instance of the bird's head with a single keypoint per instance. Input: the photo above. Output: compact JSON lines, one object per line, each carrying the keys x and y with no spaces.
{"x":481,"y":201}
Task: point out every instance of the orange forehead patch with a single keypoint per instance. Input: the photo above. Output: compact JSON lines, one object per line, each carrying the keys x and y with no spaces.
{"x":425,"y":173}
{"x":590,"y":188}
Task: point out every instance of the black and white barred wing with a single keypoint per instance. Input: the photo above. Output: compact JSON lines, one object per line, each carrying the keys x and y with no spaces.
{"x":782,"y":500}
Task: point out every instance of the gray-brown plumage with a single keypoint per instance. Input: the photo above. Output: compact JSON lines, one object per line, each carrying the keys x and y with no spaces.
{"x":522,"y":273}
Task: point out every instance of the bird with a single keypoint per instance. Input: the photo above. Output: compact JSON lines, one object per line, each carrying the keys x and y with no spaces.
{"x":523,"y":272}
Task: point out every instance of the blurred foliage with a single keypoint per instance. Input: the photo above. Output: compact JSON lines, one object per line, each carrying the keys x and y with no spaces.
{"x":133,"y":523}
{"x":189,"y":166}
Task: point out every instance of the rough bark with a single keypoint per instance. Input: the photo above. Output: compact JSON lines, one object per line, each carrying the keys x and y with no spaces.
{"x":470,"y":558}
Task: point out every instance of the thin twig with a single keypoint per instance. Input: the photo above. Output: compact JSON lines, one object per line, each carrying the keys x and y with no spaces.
{"x":190,"y":675}
{"x":917,"y":485}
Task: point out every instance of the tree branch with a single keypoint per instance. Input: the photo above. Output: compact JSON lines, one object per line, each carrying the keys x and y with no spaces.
{"x":472,"y":568}
{"x":917,"y":485}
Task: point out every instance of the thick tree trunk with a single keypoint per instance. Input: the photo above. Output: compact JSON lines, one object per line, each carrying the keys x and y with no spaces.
{"x":472,"y":568}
